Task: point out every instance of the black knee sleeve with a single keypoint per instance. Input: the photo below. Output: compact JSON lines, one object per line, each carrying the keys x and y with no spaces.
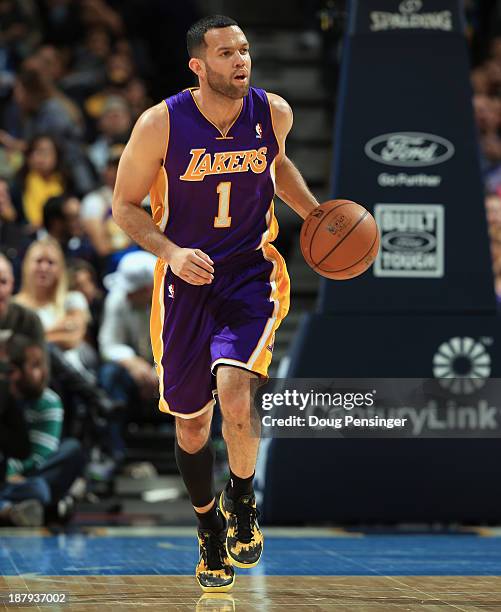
{"x":197,"y":470}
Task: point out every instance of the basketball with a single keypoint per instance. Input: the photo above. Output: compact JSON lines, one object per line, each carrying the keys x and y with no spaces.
{"x":339,"y":239}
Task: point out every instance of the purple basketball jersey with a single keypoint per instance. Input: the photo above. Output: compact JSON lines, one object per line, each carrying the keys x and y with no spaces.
{"x":215,"y":190}
{"x":215,"y":193}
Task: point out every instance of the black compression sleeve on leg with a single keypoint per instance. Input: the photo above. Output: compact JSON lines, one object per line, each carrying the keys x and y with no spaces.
{"x":197,"y":470}
{"x":239,"y":486}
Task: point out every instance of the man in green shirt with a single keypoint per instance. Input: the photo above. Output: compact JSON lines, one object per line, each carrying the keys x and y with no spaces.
{"x":43,"y":409}
{"x":20,"y":504}
{"x":57,"y":462}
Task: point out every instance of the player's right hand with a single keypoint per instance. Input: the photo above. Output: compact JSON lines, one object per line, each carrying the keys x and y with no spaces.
{"x":193,"y":266}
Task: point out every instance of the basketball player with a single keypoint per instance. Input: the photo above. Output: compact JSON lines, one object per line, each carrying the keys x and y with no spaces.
{"x":212,"y":158}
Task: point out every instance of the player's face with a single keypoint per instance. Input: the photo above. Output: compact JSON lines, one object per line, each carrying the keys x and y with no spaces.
{"x":227,"y":62}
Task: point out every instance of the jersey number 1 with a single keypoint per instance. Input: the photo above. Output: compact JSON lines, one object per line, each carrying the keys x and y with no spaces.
{"x":223,"y":218}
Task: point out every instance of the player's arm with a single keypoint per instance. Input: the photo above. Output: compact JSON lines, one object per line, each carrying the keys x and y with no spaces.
{"x":138,"y":168}
{"x":290,"y":185}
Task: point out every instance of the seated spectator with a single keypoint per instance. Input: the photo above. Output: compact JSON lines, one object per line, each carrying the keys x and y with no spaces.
{"x":88,"y":72}
{"x":115,"y":124}
{"x":22,"y":499}
{"x":42,"y":176}
{"x":8,"y":213}
{"x":43,"y":109}
{"x":120,"y":70}
{"x":109,"y":240}
{"x":61,"y":220}
{"x":136,"y":95}
{"x":44,"y":289}
{"x":52,"y":63}
{"x":19,"y":30}
{"x":493,"y":70}
{"x":83,"y":278}
{"x":12,"y":237}
{"x":21,"y":503}
{"x":57,"y":462}
{"x":123,"y":338}
{"x":64,"y":377}
{"x":480,"y":81}
{"x":14,"y":316}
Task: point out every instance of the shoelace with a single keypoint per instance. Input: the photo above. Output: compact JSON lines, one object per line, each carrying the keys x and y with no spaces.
{"x":246,"y":517}
{"x":212,"y":550}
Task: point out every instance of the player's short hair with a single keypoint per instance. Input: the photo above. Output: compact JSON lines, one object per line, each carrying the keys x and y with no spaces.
{"x":195,"y":37}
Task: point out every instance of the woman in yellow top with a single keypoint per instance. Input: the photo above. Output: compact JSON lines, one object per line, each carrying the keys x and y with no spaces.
{"x":41,"y":177}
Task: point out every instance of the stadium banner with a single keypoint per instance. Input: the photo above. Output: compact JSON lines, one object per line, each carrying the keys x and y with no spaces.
{"x":406,"y":148}
{"x":430,"y":476}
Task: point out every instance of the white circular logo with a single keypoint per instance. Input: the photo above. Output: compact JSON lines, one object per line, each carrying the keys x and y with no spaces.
{"x":410,"y":6}
{"x":461,"y":365}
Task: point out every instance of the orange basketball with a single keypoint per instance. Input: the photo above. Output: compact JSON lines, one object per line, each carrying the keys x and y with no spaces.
{"x":339,"y":239}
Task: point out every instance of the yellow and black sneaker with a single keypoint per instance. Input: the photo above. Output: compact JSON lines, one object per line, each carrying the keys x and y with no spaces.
{"x":244,"y":539}
{"x":214,"y":571}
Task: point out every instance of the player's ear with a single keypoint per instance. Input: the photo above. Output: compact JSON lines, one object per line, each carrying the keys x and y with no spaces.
{"x":196,"y":66}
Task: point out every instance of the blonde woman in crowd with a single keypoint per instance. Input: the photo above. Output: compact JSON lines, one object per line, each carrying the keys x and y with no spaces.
{"x":44,"y":289}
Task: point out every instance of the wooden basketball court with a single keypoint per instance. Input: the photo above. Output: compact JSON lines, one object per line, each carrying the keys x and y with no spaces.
{"x":251,"y":593}
{"x":317,"y":569}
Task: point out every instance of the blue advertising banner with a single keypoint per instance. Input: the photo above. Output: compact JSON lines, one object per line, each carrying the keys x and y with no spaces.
{"x":394,"y":480}
{"x":406,"y":148}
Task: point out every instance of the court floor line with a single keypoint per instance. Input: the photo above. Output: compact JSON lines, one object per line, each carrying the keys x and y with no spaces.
{"x":399,"y":581}
{"x":376,"y":572}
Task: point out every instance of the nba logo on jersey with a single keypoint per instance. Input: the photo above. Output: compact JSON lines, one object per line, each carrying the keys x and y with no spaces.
{"x":259,"y":130}
{"x":171,"y":291}
{"x":271,"y":345}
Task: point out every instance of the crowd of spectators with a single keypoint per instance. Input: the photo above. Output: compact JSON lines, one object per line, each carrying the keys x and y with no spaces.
{"x":75,"y":358}
{"x":486,"y":83}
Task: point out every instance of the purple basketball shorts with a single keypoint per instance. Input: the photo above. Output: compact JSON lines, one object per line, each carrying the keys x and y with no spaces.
{"x":232,"y":321}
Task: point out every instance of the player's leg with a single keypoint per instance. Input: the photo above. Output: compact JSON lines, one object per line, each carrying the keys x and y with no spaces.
{"x":244,"y":538}
{"x":180,"y":332}
{"x":195,"y":460}
{"x":234,"y":392}
{"x":256,"y":299}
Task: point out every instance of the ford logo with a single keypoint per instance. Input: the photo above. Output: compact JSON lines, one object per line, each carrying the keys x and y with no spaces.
{"x":409,"y":149}
{"x":409,"y":241}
